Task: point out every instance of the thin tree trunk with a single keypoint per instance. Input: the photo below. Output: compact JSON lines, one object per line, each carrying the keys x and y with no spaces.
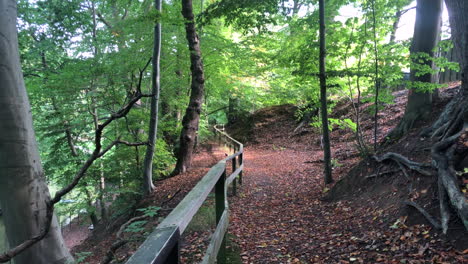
{"x":323,"y":97}
{"x":377,"y":81}
{"x":23,"y":191}
{"x":148,"y":186}
{"x":426,"y":36}
{"x":91,"y":213}
{"x":101,"y":192}
{"x":191,"y":118}
{"x":395,"y":26}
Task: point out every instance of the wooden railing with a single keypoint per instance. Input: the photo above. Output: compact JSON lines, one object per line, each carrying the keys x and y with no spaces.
{"x":162,"y":245}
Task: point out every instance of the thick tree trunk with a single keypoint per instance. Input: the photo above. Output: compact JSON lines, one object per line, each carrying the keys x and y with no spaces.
{"x":148,"y":186}
{"x":458,"y":10}
{"x":425,"y":39}
{"x":323,"y":97}
{"x":23,"y":191}
{"x":450,"y":130}
{"x":457,"y":127}
{"x":192,"y":114}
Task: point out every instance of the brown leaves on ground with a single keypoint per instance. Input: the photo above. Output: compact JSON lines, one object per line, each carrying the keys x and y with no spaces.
{"x":280,"y":217}
{"x":97,"y":246}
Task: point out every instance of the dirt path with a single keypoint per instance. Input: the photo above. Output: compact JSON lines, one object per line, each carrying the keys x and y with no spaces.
{"x":278,"y":217}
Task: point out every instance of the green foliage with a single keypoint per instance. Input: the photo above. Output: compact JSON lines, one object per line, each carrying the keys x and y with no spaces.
{"x":136,"y":227}
{"x":342,"y":124}
{"x":256,"y":54}
{"x":150,"y":211}
{"x":163,"y":159}
{"x":335,"y":163}
{"x":204,"y":219}
{"x":80,"y":257}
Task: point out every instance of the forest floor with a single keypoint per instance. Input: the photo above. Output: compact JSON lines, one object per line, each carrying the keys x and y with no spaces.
{"x":283,"y":213}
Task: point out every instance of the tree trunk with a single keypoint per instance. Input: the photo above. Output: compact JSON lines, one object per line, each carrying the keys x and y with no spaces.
{"x":23,"y":191}
{"x":192,"y":114}
{"x":323,"y":97}
{"x":3,"y":238}
{"x":450,"y":130}
{"x":148,"y":186}
{"x":91,"y":212}
{"x":395,"y":26}
{"x":425,"y":39}
{"x":458,"y":10}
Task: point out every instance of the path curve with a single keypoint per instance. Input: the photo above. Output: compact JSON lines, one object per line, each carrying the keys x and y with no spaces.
{"x":278,"y":217}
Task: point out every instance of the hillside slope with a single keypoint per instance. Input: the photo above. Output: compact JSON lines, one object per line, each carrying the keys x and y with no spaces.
{"x":381,"y":186}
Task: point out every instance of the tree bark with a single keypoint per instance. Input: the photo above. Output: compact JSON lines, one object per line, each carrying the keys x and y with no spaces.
{"x":148,"y":186}
{"x":91,"y":212}
{"x":23,"y":191}
{"x":191,"y":118}
{"x":425,"y":39}
{"x":459,"y":23}
{"x":3,"y":238}
{"x":323,"y":97}
{"x":451,"y":128}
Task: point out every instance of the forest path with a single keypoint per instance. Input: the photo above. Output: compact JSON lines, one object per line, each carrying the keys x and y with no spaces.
{"x":278,"y":217}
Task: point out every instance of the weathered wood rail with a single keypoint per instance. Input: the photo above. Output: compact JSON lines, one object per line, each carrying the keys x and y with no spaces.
{"x":162,"y":245}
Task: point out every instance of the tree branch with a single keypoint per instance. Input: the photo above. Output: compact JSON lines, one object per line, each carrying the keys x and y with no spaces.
{"x":97,"y":153}
{"x":103,"y":20}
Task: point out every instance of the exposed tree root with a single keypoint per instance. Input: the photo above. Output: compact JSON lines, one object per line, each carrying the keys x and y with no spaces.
{"x":429,"y":218}
{"x":400,"y":159}
{"x":120,"y":241}
{"x":446,"y":130}
{"x":376,"y":175}
{"x":134,"y":219}
{"x":111,"y":253}
{"x":444,"y":117}
{"x":449,"y":191}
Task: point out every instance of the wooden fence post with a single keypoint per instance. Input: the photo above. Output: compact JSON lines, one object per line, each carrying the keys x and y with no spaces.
{"x":241,"y":161}
{"x":220,"y":198}
{"x":234,"y":166}
{"x":174,"y":255}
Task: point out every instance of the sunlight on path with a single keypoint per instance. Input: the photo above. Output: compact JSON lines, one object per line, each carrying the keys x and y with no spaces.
{"x":278,"y":217}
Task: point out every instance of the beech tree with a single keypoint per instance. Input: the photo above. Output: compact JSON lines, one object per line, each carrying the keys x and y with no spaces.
{"x":148,"y":186}
{"x":450,"y":130}
{"x":24,"y":195}
{"x":190,"y":121}
{"x":452,"y":125}
{"x":323,"y":97}
{"x":425,"y":39}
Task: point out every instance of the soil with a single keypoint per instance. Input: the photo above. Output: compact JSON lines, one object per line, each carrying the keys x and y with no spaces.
{"x":283,"y":213}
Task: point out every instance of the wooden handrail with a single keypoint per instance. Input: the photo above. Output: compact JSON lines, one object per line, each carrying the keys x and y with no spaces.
{"x":162,"y":245}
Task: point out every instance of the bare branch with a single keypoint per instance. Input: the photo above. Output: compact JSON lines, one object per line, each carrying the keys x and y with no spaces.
{"x":141,"y":75}
{"x":97,"y":153}
{"x":103,"y":20}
